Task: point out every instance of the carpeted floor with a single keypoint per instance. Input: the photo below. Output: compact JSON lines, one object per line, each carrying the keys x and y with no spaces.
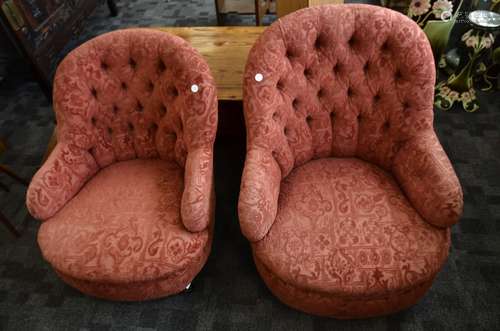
{"x":228,"y":294}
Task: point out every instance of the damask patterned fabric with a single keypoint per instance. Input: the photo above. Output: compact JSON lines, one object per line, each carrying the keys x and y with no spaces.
{"x":343,"y":81}
{"x":127,"y":95}
{"x":124,"y":228}
{"x":344,"y":228}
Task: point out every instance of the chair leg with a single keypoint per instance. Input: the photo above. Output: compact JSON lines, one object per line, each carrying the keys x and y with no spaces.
{"x":9,"y":225}
{"x":113,"y":9}
{"x":9,"y":172}
{"x":257,"y":13}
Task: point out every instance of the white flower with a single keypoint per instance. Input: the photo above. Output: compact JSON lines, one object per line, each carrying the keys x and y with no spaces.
{"x":419,"y":7}
{"x":472,"y":41}
{"x":487,"y":41}
{"x":442,"y":6}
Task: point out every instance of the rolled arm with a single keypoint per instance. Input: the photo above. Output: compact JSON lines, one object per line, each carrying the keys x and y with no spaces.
{"x":429,"y":181}
{"x":258,"y":201}
{"x":198,"y":196}
{"x":64,"y":173}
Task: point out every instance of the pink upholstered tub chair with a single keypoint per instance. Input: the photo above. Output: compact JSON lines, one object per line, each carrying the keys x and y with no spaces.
{"x":347,"y":196}
{"x":126,"y":197}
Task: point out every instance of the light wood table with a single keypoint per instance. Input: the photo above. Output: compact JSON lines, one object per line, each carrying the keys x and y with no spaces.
{"x":225,"y":50}
{"x":285,"y":7}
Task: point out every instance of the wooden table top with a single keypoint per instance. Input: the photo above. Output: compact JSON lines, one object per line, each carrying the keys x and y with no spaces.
{"x":225,"y":49}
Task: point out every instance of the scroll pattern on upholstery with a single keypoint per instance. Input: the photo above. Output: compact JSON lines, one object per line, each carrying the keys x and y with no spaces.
{"x":125,"y":95}
{"x":344,"y":227}
{"x":342,"y":81}
{"x":124,"y":226}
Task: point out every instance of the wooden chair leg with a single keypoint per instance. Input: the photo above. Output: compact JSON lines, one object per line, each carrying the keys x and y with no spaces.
{"x":113,"y":9}
{"x":10,"y":173}
{"x":257,"y":13}
{"x":9,"y":225}
{"x":220,"y":20}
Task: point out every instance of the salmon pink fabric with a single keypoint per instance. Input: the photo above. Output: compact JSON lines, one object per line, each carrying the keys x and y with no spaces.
{"x":355,"y":82}
{"x":127,"y":194}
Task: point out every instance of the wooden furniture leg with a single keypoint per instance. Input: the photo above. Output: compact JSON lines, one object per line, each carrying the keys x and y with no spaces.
{"x":257,"y":13}
{"x":218,"y":13}
{"x":113,"y":9}
{"x":9,"y":225}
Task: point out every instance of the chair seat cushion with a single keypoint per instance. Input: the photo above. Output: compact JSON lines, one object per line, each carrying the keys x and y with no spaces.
{"x":344,"y":228}
{"x":124,"y":227}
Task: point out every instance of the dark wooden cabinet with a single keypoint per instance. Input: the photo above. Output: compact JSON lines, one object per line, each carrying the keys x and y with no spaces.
{"x":40,"y":29}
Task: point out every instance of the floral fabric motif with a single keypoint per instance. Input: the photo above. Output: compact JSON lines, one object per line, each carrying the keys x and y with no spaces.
{"x":127,"y":195}
{"x":123,"y":226}
{"x":346,"y":89}
{"x":344,"y":227}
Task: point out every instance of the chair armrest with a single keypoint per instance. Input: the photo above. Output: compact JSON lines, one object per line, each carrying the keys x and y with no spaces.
{"x":198,"y":195}
{"x":427,"y":177}
{"x":258,"y":201}
{"x":64,"y":173}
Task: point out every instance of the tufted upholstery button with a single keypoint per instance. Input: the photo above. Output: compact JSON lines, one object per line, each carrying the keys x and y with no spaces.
{"x":289,"y":54}
{"x":349,"y":92}
{"x":153,"y":127}
{"x":285,"y":131}
{"x":110,"y":130}
{"x":93,"y":91}
{"x":376,"y":97}
{"x":132,"y":63}
{"x":276,"y":116}
{"x":308,"y":73}
{"x":115,"y":109}
{"x":332,"y":115}
{"x":295,"y":103}
{"x":385,"y":46}
{"x":275,"y":155}
{"x":359,"y":117}
{"x":309,"y":119}
{"x":161,"y":66}
{"x":318,"y":43}
{"x":172,"y":91}
{"x":124,"y":86}
{"x":337,"y":67}
{"x":406,"y":105}
{"x":151,"y":86}
{"x":104,"y":66}
{"x":398,"y":75}
{"x":366,"y":67}
{"x":130,"y":126}
{"x":93,"y":120}
{"x":320,"y":93}
{"x":352,"y":41}
{"x":140,"y":107}
{"x":163,"y":110}
{"x":279,"y":85}
{"x":387,"y":125}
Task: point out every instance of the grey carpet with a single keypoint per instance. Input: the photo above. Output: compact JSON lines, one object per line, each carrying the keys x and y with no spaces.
{"x":228,"y":294}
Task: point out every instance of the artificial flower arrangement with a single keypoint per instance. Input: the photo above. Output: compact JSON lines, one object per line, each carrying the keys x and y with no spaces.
{"x":480,"y":66}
